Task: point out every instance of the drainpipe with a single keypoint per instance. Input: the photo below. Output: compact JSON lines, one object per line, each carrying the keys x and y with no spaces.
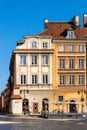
{"x":86,"y":78}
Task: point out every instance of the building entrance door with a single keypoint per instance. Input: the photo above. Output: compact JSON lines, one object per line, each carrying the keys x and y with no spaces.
{"x":25,"y":105}
{"x":35,"y":107}
{"x":72,"y":106}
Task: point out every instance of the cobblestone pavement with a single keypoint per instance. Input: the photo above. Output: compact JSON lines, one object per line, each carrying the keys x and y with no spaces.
{"x":24,"y":123}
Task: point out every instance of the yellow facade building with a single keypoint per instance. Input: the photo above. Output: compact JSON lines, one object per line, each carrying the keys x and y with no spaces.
{"x":69,"y":65}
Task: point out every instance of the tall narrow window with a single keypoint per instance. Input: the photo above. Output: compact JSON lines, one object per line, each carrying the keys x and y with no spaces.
{"x":45,"y":60}
{"x":81,"y":48}
{"x":34,"y":79}
{"x":62,"y":63}
{"x":23,"y":60}
{"x":81,"y":63}
{"x":71,"y":48}
{"x":61,"y":48}
{"x":62,"y":80}
{"x":81,"y":80}
{"x":34,"y":44}
{"x":45,"y":79}
{"x":23,"y":79}
{"x":71,"y":80}
{"x":71,"y":63}
{"x":34,"y":60}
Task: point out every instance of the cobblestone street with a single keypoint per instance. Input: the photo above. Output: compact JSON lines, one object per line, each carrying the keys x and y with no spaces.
{"x":21,"y":123}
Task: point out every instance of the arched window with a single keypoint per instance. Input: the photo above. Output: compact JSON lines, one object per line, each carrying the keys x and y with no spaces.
{"x":45,"y":104}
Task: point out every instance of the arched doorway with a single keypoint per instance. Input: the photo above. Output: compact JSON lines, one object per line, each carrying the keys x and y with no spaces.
{"x":45,"y":104}
{"x":72,"y":106}
{"x":25,"y":105}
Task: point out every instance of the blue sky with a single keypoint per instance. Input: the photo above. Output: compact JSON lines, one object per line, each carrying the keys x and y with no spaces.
{"x":24,"y":17}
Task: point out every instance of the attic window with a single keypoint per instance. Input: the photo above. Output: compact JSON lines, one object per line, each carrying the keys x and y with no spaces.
{"x":70,"y":33}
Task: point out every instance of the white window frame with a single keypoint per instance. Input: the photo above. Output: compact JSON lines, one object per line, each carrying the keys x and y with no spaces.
{"x":34,"y":59}
{"x":80,"y":48}
{"x":44,"y":59}
{"x":71,"y":34}
{"x":81,"y":79}
{"x":71,"y":79}
{"x":23,"y":60}
{"x":62,"y":64}
{"x":71,"y":63}
{"x":23,"y":79}
{"x":45,"y":45}
{"x":61,"y":48}
{"x":34,"y":79}
{"x":45,"y":79}
{"x":81,"y":63}
{"x":62,"y":80}
{"x":34,"y":44}
{"x":71,"y":48}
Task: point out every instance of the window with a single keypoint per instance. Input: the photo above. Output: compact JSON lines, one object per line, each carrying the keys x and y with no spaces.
{"x":34,"y":79}
{"x":71,"y":80}
{"x":81,"y":63}
{"x":70,"y":34}
{"x":61,"y":48}
{"x":81,"y":48}
{"x":23,"y":60}
{"x":60,"y":98}
{"x":71,"y":63}
{"x":45,"y":60}
{"x":45,"y":45}
{"x":81,"y":79}
{"x":45,"y":79}
{"x":34,"y":60}
{"x":62,"y":63}
{"x":34,"y":44}
{"x":62,"y":80}
{"x":71,"y":48}
{"x":23,"y":79}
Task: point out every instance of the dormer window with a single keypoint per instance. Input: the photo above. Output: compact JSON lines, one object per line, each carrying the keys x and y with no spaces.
{"x":70,"y":33}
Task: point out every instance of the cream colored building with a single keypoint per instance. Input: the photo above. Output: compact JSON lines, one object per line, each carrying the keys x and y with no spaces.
{"x":31,"y":75}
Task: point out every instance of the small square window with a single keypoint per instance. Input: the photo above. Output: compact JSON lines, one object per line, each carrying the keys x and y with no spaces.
{"x":60,"y":98}
{"x":45,"y":45}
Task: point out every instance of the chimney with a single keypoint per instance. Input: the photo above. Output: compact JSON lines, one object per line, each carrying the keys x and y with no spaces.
{"x":85,"y":20}
{"x":75,"y":20}
{"x":46,"y":21}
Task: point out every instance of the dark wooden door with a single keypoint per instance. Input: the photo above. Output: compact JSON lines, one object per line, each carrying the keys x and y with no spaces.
{"x":35,"y":107}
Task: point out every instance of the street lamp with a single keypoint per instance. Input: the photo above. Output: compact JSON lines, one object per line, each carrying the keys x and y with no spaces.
{"x":25,"y":101}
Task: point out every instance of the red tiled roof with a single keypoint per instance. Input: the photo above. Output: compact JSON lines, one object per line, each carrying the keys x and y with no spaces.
{"x":16,"y":87}
{"x":16,"y":97}
{"x":56,"y":29}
